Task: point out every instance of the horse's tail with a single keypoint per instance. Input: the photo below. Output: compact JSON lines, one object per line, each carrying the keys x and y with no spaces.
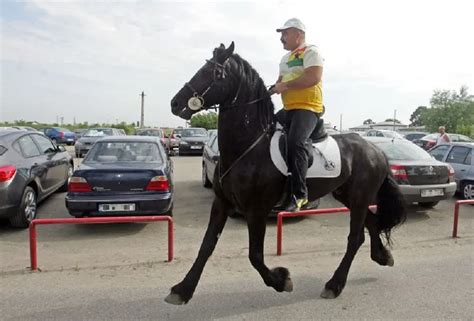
{"x":390,"y":207}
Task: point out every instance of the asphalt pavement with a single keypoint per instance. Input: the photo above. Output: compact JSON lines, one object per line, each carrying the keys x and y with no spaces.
{"x":119,"y":271}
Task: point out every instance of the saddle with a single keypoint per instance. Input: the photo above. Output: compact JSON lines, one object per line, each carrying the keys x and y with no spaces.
{"x":318,"y":135}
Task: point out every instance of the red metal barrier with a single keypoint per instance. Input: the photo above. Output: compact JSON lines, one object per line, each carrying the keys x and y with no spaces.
{"x":456,"y":215}
{"x":96,"y":220}
{"x":306,"y":213}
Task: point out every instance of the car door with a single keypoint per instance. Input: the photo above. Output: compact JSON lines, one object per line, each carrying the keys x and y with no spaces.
{"x":214,"y":157}
{"x":56,"y":161}
{"x":458,"y":157}
{"x":32,"y":163}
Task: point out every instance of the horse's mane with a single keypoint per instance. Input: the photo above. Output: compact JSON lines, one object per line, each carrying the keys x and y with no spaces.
{"x":252,"y":87}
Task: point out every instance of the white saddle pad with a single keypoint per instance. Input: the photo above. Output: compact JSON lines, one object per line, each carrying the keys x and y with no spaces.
{"x":326,"y":158}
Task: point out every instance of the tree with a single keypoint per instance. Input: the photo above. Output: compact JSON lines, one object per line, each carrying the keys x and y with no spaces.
{"x":205,"y":120}
{"x":391,"y":120}
{"x":453,"y":110}
{"x":417,"y":115}
{"x":368,"y":122}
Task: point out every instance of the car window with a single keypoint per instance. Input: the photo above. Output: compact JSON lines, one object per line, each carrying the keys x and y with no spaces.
{"x":194,"y":132}
{"x":98,"y":132}
{"x":458,"y":154}
{"x":27,"y":147}
{"x":45,"y":145}
{"x":403,"y":150}
{"x":454,"y":138}
{"x":431,"y":136}
{"x":379,"y":134}
{"x":468,"y":159}
{"x":109,"y":152}
{"x":439,"y":151}
{"x":215,"y":146}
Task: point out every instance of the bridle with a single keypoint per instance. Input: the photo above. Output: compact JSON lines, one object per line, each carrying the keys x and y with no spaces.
{"x":196,"y":102}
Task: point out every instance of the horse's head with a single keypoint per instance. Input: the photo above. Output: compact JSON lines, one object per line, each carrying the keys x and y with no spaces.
{"x":208,"y":87}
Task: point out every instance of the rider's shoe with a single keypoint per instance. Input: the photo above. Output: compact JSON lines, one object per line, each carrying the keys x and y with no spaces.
{"x":296,"y":204}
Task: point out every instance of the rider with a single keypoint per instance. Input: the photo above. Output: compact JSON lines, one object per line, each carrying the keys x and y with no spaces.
{"x":299,"y":83}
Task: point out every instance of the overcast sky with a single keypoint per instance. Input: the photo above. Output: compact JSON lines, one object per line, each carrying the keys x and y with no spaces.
{"x":91,"y":59}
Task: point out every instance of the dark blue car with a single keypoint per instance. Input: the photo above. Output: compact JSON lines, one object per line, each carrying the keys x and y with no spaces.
{"x":60,"y":135}
{"x":122,"y":175}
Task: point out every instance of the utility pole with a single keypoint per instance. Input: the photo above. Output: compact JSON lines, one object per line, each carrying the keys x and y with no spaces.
{"x":142,"y":118}
{"x":340,"y":124}
{"x":62,"y":120}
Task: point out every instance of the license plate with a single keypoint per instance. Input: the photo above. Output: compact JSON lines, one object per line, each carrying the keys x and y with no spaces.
{"x":432,"y":192}
{"x":70,"y":139}
{"x":196,"y":147}
{"x":117,"y":207}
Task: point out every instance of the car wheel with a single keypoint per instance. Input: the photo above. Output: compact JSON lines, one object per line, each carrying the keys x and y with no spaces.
{"x":205,"y":180}
{"x":70,"y":170}
{"x":27,"y":209}
{"x":468,"y":190}
{"x":428,"y":204}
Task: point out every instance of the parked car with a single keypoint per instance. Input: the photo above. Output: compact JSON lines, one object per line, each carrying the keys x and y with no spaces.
{"x":421,"y":178}
{"x":126,"y":175}
{"x":155,"y":132}
{"x":460,"y":157}
{"x":429,"y":141}
{"x":31,"y":169}
{"x":411,"y":136}
{"x":212,"y":132}
{"x":383,"y":133}
{"x":79,"y":132}
{"x":192,"y":141}
{"x":85,"y":143}
{"x":60,"y":135}
{"x":173,"y":139}
{"x":210,"y":157}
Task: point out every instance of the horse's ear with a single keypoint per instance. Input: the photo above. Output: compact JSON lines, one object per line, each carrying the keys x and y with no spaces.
{"x":222,"y":46}
{"x":229,"y":51}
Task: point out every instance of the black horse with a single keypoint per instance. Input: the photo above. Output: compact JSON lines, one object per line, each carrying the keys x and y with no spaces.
{"x":248,"y":181}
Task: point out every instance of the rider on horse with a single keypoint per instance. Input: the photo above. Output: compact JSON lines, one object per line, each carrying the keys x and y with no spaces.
{"x":299,"y":83}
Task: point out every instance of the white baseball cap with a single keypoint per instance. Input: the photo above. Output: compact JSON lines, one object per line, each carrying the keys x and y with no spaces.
{"x":292,"y":23}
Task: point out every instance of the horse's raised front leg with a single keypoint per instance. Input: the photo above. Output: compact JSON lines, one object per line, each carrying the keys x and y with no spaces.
{"x":336,"y":284}
{"x":378,"y":252}
{"x":278,"y":278}
{"x":182,"y":292}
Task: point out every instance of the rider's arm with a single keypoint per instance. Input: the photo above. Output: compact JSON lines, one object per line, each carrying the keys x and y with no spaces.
{"x":310,"y":77}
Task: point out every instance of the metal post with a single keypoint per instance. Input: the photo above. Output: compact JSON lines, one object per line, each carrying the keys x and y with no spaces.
{"x":170,"y":240}
{"x":279,"y":232}
{"x":33,"y":257}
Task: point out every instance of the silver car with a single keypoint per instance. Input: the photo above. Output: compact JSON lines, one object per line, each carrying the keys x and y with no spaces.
{"x":87,"y":140}
{"x":460,"y":157}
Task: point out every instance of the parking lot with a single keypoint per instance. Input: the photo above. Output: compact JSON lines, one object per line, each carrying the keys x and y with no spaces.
{"x":119,"y":271}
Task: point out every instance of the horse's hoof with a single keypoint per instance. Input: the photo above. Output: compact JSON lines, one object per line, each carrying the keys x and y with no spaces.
{"x":174,"y":298}
{"x":288,"y":285}
{"x":328,"y":294}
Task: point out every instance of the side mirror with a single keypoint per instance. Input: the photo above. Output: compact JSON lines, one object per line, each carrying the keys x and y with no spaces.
{"x":178,"y":135}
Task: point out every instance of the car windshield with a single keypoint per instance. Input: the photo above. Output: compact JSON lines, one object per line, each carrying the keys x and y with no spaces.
{"x":390,"y":134}
{"x":110,"y":152}
{"x":402,"y":150}
{"x":194,"y":132}
{"x":98,"y":132}
{"x":150,"y":132}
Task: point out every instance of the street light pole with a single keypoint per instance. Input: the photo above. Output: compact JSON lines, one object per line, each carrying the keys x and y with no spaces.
{"x":142,"y":118}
